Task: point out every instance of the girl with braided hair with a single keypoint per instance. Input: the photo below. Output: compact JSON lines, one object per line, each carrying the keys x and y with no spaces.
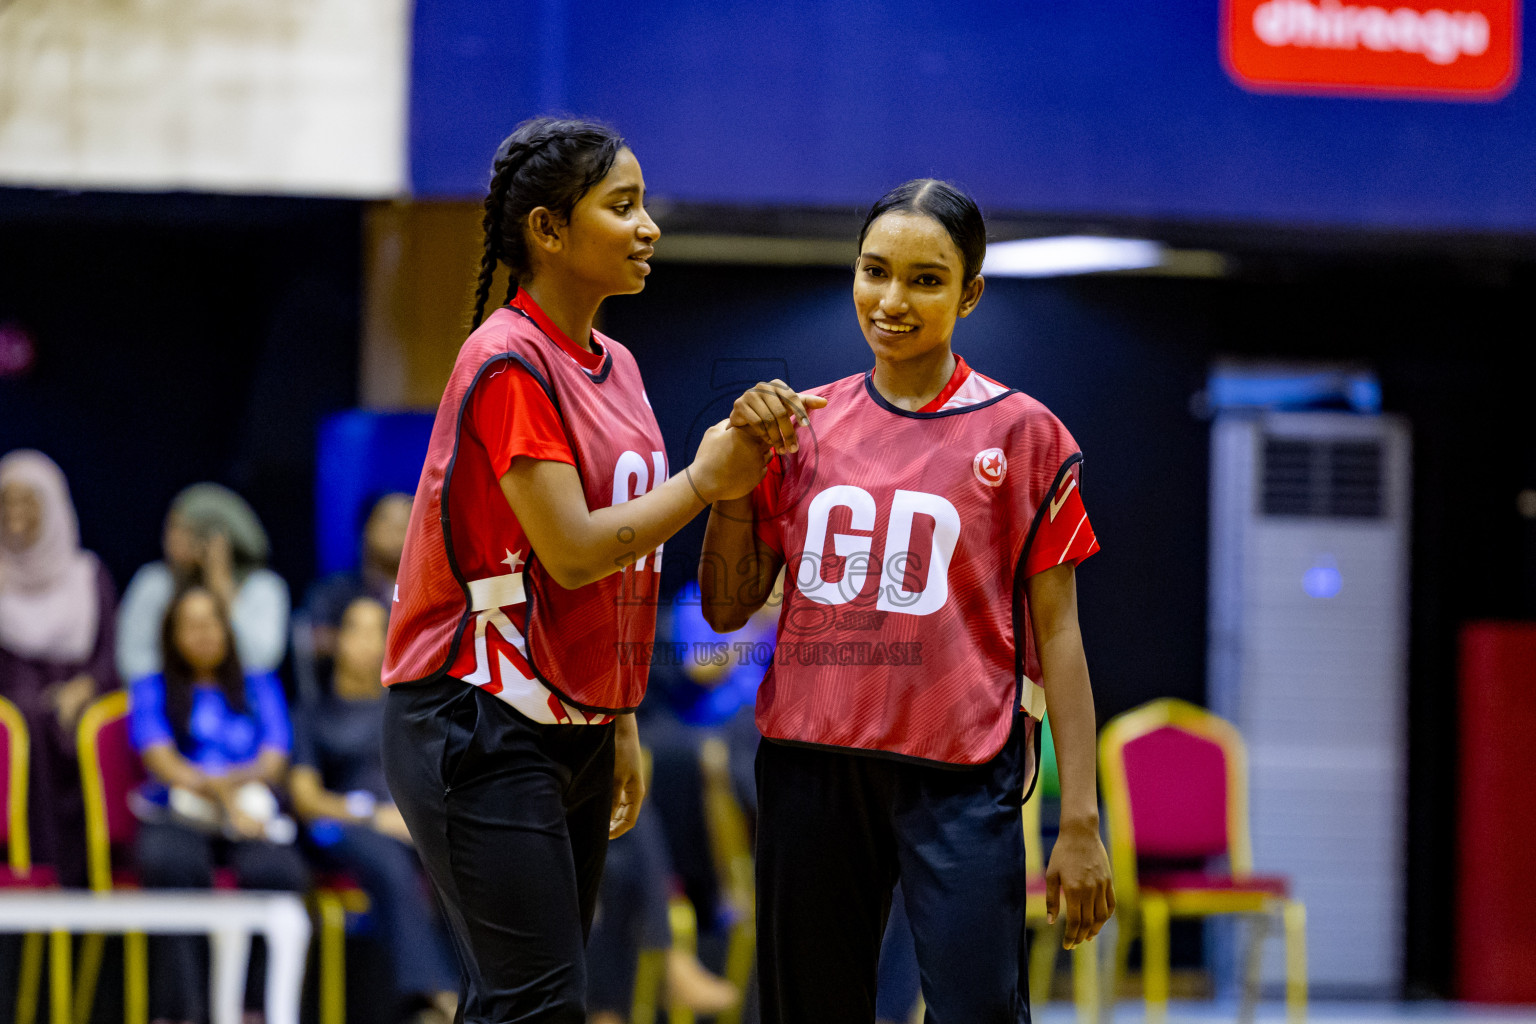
{"x":523,"y":614}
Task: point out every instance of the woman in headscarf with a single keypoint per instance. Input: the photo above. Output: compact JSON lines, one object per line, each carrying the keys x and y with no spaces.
{"x":56,"y":641}
{"x":214,"y":537}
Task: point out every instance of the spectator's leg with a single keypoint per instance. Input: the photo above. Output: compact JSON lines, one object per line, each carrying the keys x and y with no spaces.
{"x":677,"y":795}
{"x":171,"y":856}
{"x":403,"y":916}
{"x":269,"y":867}
{"x":616,"y":939}
{"x":265,"y":867}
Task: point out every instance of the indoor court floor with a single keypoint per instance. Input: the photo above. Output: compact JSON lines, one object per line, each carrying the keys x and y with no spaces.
{"x":1339,"y":1012}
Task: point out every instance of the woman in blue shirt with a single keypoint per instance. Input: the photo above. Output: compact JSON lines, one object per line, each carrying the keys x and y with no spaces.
{"x":215,"y":743}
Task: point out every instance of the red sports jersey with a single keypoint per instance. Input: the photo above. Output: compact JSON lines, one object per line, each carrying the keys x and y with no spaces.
{"x":473,"y":600}
{"x":908,"y":537}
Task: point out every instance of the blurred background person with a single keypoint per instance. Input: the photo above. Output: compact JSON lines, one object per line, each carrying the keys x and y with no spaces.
{"x":215,"y":742}
{"x":57,"y":617}
{"x":703,"y":686}
{"x":339,"y":793}
{"x":719,"y":689}
{"x":383,"y":540}
{"x":214,"y":536}
{"x":632,"y":917}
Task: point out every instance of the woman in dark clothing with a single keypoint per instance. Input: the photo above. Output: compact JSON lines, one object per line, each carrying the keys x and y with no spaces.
{"x":340,"y":794}
{"x":57,"y":611}
{"x":215,"y":742}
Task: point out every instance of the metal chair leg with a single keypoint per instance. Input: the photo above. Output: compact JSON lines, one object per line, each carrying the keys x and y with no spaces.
{"x":30,"y":984}
{"x":1122,"y":926}
{"x":92,"y":948}
{"x":1295,"y":917}
{"x":59,"y":954}
{"x":1085,"y":982}
{"x":333,"y":958}
{"x":1253,"y":966}
{"x":1042,"y":961}
{"x":1155,"y":956}
{"x":740,"y":953}
{"x":136,"y":978}
{"x":685,"y":936}
{"x":649,"y":973}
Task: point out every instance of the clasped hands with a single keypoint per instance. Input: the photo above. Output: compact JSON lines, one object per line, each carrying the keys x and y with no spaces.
{"x":765,"y":421}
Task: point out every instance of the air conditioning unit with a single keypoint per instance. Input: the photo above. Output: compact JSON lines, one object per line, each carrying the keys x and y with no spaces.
{"x":1308,"y":642}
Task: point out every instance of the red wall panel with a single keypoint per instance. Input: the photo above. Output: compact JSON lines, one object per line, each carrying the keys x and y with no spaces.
{"x":1496,"y":897}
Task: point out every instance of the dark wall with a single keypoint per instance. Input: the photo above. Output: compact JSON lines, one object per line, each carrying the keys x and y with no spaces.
{"x":1120,"y":360}
{"x":180,"y":338}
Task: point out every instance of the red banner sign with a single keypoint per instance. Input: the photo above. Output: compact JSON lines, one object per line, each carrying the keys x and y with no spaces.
{"x":1461,"y":49}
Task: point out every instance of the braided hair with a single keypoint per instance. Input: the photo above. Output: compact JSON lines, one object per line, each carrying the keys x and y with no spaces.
{"x":547,"y":162}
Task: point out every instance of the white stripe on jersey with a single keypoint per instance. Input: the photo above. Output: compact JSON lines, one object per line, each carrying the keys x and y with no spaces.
{"x":975,"y":389}
{"x":489,"y":599}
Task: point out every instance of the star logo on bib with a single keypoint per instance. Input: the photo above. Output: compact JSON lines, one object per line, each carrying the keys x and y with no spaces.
{"x":990,"y":466}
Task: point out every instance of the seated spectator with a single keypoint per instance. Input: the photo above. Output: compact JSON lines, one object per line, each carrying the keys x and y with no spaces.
{"x":57,"y":619}
{"x":213,"y":536}
{"x":339,"y":793}
{"x":703,"y":685}
{"x":722,"y":690}
{"x":215,"y":742}
{"x":632,"y":916}
{"x":383,"y":540}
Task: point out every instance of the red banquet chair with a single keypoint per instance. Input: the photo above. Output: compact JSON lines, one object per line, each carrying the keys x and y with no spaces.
{"x":110,"y":769}
{"x":1175,"y":781}
{"x":19,"y":872}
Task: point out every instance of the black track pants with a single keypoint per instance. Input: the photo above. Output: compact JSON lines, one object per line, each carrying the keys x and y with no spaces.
{"x":511,"y":820}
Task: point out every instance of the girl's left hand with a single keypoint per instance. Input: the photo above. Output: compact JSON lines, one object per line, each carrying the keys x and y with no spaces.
{"x":1078,"y":880}
{"x":628,"y":777}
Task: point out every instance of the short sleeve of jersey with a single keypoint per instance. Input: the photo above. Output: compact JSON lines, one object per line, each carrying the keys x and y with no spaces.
{"x":1052,"y":486}
{"x":510,"y":415}
{"x":1064,"y":536}
{"x":765,"y":507}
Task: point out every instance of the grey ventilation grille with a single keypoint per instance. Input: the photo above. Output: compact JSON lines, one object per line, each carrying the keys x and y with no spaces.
{"x":1337,"y":479}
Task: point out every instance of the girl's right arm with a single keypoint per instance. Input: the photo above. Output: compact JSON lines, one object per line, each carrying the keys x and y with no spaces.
{"x":737,"y":569}
{"x":579,"y":545}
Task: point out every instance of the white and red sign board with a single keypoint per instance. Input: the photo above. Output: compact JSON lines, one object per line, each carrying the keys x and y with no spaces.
{"x":1431,"y":49}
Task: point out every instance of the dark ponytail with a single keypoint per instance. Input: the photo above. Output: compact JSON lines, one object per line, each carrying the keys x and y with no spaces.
{"x":546,"y":162}
{"x":945,"y":203}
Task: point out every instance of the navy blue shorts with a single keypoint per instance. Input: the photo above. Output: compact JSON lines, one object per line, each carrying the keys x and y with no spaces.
{"x":837,"y":829}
